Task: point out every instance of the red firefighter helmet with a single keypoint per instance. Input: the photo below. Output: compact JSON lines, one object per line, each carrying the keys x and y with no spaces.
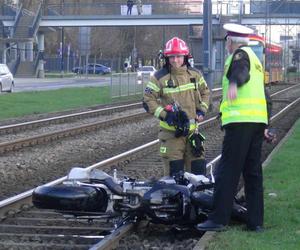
{"x":176,"y":46}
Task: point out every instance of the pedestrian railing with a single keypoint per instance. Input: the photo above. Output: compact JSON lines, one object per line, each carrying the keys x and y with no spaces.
{"x":128,"y":84}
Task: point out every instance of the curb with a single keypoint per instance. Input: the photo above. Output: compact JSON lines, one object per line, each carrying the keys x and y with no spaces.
{"x":204,"y":240}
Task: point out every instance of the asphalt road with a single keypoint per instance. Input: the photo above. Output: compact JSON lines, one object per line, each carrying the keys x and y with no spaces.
{"x":40,"y":84}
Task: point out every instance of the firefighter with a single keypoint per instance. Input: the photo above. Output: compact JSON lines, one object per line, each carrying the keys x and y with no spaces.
{"x":244,"y":116}
{"x":178,"y":96}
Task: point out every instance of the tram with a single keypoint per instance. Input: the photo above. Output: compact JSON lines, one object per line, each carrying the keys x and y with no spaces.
{"x":270,"y":55}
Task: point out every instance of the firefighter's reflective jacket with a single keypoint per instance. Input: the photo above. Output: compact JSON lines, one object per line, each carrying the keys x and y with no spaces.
{"x":185,"y":86}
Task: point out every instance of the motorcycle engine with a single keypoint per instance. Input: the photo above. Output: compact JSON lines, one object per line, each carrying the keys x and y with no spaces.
{"x":132,"y":200}
{"x":167,"y":204}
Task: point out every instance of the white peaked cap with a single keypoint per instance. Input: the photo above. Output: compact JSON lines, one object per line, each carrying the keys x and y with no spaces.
{"x":234,"y":29}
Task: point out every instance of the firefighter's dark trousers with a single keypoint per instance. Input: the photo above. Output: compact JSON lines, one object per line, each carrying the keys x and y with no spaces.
{"x":177,"y":151}
{"x":241,"y":153}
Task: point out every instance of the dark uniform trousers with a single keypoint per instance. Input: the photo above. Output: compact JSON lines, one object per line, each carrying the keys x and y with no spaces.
{"x":241,"y":153}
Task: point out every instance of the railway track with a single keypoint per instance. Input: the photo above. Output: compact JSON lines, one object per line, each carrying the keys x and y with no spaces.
{"x":139,"y":163}
{"x":13,"y":128}
{"x":58,"y":133}
{"x":75,"y":116}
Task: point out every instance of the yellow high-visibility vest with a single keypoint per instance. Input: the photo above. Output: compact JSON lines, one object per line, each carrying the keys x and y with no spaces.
{"x":250,"y":104}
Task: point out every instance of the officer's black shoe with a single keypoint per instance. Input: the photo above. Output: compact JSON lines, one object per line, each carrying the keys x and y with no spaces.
{"x":257,"y":229}
{"x":209,"y":225}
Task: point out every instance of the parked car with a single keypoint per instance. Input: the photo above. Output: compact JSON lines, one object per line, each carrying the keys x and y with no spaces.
{"x":145,"y":70}
{"x":92,"y":68}
{"x":6,"y":79}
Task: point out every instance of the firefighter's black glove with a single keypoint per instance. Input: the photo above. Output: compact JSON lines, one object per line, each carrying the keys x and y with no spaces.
{"x":172,"y":118}
{"x":183,"y":125}
{"x":197,"y":144}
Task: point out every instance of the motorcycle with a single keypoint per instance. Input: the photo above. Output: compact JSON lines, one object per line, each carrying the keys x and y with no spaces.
{"x":182,"y":200}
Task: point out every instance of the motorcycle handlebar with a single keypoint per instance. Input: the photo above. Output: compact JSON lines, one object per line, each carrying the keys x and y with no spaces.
{"x":203,"y":186}
{"x":115,"y":188}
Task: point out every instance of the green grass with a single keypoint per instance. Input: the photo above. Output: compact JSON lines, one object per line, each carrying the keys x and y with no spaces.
{"x":28,"y":103}
{"x":282,"y":212}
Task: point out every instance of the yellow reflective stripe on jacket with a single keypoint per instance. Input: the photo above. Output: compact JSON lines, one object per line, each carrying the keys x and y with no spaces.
{"x":204,"y":104}
{"x":153,"y":86}
{"x":244,"y":101}
{"x":243,"y":115}
{"x":180,"y":88}
{"x":196,"y":84}
{"x":202,"y":81}
{"x":172,"y":128}
{"x":158,"y":111}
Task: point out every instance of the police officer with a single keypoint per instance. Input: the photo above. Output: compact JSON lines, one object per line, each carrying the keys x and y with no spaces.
{"x":244,"y":118}
{"x":178,"y":96}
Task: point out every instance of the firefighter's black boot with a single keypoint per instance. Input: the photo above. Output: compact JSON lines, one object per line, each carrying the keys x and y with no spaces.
{"x":198,"y":167}
{"x":176,"y":166}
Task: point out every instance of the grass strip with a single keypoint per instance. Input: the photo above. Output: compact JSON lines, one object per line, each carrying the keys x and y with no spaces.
{"x":38,"y":102}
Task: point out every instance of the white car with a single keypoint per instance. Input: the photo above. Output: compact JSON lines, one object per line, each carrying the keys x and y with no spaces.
{"x":6,"y":79}
{"x":145,"y":70}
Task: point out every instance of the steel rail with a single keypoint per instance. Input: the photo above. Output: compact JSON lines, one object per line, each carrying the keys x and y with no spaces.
{"x":49,"y":137}
{"x":283,"y":90}
{"x":111,"y":241}
{"x":58,"y":119}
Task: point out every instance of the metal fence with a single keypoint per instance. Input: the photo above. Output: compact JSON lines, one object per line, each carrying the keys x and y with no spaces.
{"x":132,"y":84}
{"x":56,"y":64}
{"x":128,"y":84}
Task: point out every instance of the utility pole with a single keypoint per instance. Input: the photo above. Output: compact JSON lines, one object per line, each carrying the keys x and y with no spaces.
{"x":62,"y":52}
{"x":207,"y":43}
{"x":62,"y":41}
{"x":241,"y":11}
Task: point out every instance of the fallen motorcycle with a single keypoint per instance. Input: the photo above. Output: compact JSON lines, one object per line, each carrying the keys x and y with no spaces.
{"x":183,"y":200}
